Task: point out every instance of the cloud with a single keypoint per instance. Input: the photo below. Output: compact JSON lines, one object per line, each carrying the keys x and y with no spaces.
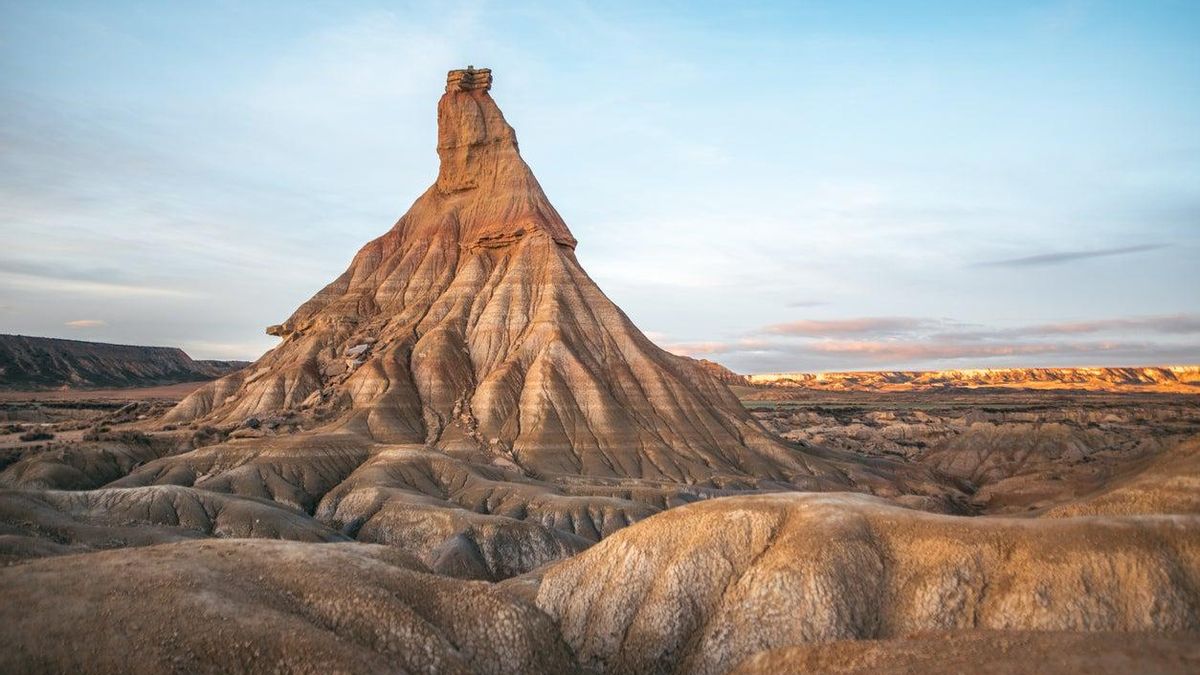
{"x":694,"y":349}
{"x":842,"y":327}
{"x":85,"y":323}
{"x":807,"y":303}
{"x":888,"y":351}
{"x":99,"y":288}
{"x":203,"y":349}
{"x":914,"y":343}
{"x":1062,"y":257}
{"x":842,"y":355}
{"x":1171,"y":324}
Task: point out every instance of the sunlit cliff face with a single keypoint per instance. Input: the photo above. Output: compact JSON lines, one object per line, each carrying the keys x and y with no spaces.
{"x":1165,"y":379}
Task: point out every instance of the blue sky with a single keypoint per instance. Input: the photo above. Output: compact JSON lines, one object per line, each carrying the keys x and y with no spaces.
{"x":790,"y":186}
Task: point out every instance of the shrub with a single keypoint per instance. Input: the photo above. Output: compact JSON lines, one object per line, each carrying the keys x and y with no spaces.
{"x":37,"y":436}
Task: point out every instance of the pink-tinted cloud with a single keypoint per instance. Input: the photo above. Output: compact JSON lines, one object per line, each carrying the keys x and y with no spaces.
{"x":845,"y":327}
{"x":695,"y":349}
{"x":1172,"y":324}
{"x":888,"y":350}
{"x":1175,"y":323}
{"x":85,"y":323}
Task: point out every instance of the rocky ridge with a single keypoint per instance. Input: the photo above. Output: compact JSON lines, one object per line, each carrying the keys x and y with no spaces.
{"x":38,"y":363}
{"x":1160,"y":379}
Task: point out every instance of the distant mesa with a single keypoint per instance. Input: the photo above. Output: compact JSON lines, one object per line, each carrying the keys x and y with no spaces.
{"x":51,"y":363}
{"x":722,"y":373}
{"x":1155,"y":379}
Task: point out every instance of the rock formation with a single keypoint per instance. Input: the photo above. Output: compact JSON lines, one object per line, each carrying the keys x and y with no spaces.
{"x":1165,"y":379}
{"x":1170,"y":483}
{"x":465,"y":402}
{"x":722,"y":373}
{"x":988,"y":652}
{"x":252,"y":606}
{"x":44,"y":523}
{"x":38,"y":363}
{"x":701,"y":588}
{"x":470,"y":328}
{"x":1014,"y":451}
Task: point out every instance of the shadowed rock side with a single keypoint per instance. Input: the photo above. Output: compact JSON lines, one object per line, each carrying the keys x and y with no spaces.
{"x":470,"y":327}
{"x":990,"y":652}
{"x":34,"y":524}
{"x":1168,"y":484}
{"x":84,"y":465}
{"x":700,"y":588}
{"x":38,"y":362}
{"x":242,"y":606}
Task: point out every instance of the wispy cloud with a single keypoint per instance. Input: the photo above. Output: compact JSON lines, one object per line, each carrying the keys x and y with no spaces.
{"x":906,"y":342}
{"x":698,"y":348}
{"x":86,"y":323}
{"x":893,"y":351}
{"x":860,"y":326}
{"x":915,"y":354}
{"x":222,"y":350}
{"x":1171,"y":324}
{"x":97,"y":288}
{"x":1062,"y":257}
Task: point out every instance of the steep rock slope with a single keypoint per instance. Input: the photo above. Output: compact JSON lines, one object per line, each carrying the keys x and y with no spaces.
{"x":38,"y":362}
{"x":470,"y":327}
{"x":470,"y":395}
{"x":700,"y":588}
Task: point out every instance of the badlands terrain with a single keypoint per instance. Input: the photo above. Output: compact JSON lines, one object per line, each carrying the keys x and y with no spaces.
{"x":463,"y":457}
{"x":1167,"y":380}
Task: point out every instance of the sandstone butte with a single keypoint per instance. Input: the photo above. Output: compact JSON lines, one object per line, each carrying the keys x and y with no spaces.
{"x":465,"y":392}
{"x":473,"y":406}
{"x":471,"y":329}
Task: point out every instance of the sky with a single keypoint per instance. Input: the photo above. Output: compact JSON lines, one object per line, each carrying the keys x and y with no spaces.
{"x":789,"y":186}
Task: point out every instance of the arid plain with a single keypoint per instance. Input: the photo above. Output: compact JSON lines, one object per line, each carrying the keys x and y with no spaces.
{"x":463,"y":457}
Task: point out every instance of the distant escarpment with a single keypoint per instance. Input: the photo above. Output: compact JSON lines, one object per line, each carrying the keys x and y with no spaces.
{"x":721,"y":373}
{"x":1164,"y":379}
{"x":45,"y":363}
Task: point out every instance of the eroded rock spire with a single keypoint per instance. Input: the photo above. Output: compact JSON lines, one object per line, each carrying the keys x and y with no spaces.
{"x":471,"y":328}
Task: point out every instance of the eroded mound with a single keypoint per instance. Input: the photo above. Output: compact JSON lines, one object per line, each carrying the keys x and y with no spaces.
{"x":240,"y":606}
{"x":51,"y":522}
{"x":1170,"y":483}
{"x":989,"y":653}
{"x":700,"y":588}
